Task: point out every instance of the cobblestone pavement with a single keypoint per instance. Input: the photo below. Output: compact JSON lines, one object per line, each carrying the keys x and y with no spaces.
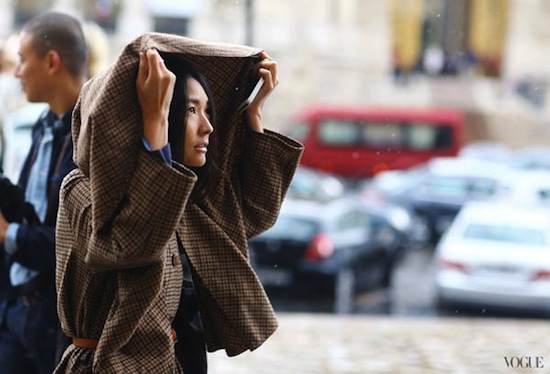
{"x":324,"y":343}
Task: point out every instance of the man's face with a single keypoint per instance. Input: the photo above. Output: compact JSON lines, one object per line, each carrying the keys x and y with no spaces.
{"x":32,"y":70}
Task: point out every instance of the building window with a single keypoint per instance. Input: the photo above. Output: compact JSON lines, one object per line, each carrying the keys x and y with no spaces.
{"x":26,"y":9}
{"x":449,"y":37}
{"x":103,"y":12}
{"x":172,"y":25}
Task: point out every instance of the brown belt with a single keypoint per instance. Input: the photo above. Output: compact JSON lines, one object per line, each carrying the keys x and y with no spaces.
{"x":92,"y":343}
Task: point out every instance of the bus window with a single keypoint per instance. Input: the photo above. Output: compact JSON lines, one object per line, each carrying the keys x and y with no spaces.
{"x":422,"y":136}
{"x":339,"y":133}
{"x":387,"y":135}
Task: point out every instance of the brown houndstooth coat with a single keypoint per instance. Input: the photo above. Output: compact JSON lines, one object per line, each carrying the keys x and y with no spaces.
{"x":117,"y":278}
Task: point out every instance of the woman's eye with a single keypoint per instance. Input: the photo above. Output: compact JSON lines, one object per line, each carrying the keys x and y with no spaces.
{"x":192,"y":110}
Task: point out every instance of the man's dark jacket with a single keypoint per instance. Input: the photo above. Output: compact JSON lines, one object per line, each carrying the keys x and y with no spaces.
{"x":36,"y":242}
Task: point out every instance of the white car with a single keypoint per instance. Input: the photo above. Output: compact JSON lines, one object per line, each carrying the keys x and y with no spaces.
{"x":487,"y":151}
{"x":16,"y":138}
{"x":531,"y":158}
{"x":495,"y":255}
{"x":531,"y":186}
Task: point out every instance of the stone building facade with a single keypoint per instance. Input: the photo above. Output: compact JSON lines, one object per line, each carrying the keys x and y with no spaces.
{"x":343,"y":52}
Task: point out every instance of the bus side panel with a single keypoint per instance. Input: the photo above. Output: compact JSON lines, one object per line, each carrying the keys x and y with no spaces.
{"x":364,"y":159}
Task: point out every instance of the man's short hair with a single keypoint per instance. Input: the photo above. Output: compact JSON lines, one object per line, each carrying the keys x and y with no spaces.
{"x":62,"y":33}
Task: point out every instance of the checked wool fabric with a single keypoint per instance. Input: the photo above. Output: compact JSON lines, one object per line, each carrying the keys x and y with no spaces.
{"x":116,"y":277}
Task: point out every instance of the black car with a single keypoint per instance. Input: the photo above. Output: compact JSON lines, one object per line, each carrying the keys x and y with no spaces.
{"x":333,"y":248}
{"x":436,"y":192}
{"x":311,"y":184}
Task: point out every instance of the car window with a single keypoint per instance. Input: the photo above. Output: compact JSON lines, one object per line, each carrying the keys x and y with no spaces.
{"x":353,"y":220}
{"x":506,"y":233}
{"x":292,"y":228}
{"x":460,"y":187}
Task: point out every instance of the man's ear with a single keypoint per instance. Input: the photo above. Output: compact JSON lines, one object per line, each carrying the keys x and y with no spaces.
{"x":54,"y":61}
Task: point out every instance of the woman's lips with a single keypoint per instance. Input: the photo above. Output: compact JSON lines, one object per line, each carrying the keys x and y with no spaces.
{"x":203,"y":147}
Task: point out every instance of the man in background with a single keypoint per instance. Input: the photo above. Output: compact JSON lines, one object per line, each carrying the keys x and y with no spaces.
{"x":52,"y":69}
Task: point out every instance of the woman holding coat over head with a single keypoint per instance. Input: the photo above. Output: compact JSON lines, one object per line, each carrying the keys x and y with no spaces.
{"x":172,"y":179}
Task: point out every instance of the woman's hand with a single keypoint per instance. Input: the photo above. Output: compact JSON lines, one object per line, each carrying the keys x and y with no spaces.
{"x":155,"y":86}
{"x":266,"y":69}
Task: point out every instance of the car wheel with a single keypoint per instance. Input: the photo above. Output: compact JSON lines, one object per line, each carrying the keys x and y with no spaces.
{"x":344,"y":291}
{"x":388,"y":272}
{"x":443,"y":306}
{"x":421,"y":233}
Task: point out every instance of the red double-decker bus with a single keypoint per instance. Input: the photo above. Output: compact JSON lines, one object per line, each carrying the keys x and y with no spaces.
{"x":358,"y":142}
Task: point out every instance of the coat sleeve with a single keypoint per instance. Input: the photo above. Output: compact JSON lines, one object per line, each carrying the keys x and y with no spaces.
{"x":146,"y":219}
{"x":269,"y":164}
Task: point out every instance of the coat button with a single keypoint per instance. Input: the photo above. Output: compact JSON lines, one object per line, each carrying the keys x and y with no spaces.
{"x":176,"y":260}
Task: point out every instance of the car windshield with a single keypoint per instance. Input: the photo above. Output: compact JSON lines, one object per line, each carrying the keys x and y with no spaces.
{"x":459,"y":187}
{"x":311,"y":184}
{"x":506,"y":233}
{"x":292,"y":228}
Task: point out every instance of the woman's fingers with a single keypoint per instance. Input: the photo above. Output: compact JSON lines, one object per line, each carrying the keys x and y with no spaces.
{"x":267,"y":69}
{"x":143,"y":69}
{"x":155,"y":85}
{"x":155,"y":63}
{"x":154,"y":78}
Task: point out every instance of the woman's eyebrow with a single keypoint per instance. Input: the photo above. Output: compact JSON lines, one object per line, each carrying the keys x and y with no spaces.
{"x":194,"y":100}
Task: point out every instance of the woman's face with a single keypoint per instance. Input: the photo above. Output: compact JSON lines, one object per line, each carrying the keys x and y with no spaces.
{"x":198,"y":127}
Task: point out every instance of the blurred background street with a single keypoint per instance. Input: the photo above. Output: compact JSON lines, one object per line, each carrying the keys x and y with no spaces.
{"x":308,"y":343}
{"x":415,"y":237}
{"x":410,"y":336}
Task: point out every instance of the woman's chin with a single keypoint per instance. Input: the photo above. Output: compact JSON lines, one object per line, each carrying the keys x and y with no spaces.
{"x":196,"y":163}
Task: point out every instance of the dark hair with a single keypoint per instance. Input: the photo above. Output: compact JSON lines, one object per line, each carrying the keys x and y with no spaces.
{"x":62,"y":33}
{"x":178,"y":114}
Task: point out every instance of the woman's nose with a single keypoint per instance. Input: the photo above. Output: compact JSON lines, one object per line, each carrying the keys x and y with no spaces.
{"x":206,"y":125}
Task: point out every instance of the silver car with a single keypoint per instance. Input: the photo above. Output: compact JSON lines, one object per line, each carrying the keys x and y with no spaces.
{"x":496,"y":255}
